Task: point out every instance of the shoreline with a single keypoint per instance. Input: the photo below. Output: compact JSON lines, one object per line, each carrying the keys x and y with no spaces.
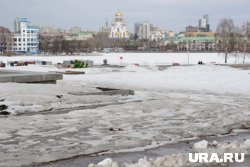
{"x":132,"y":157}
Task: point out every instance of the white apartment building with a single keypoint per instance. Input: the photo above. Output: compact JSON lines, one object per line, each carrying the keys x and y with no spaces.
{"x":26,"y":37}
{"x":118,"y":28}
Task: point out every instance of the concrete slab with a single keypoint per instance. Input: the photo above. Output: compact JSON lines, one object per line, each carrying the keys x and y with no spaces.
{"x":28,"y":77}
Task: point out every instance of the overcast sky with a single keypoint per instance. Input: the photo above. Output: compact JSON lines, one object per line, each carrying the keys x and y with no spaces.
{"x":92,"y":14}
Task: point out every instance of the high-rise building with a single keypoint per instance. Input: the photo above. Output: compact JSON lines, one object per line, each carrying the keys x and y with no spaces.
{"x":136,"y":29}
{"x":75,"y":30}
{"x":143,"y":30}
{"x":26,"y":37}
{"x":118,"y":28}
{"x":204,"y":24}
{"x":206,"y":17}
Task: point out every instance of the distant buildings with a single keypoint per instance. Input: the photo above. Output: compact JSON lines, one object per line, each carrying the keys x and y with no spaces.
{"x":192,"y":28}
{"x":25,"y":37}
{"x":106,"y":28}
{"x":75,"y":30}
{"x":50,"y":30}
{"x":146,"y":31}
{"x":118,"y":28}
{"x":203,"y":25}
{"x":198,"y":41}
{"x":81,"y":36}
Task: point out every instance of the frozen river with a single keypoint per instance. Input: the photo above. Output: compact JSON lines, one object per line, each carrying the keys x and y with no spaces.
{"x":172,"y":104}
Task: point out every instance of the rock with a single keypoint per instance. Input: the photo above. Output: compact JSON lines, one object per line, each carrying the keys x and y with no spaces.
{"x":115,"y":129}
{"x":105,"y":61}
{"x":215,"y":143}
{"x":4,"y":113}
{"x":106,"y":163}
{"x":59,"y":96}
{"x":3,"y":107}
{"x":247,"y":144}
{"x":144,"y":162}
{"x":201,"y":145}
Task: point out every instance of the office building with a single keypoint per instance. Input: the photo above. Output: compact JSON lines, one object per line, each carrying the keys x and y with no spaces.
{"x":25,"y":37}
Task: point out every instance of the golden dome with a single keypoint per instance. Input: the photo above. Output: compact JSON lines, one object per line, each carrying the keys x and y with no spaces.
{"x":117,"y":33}
{"x":118,"y":14}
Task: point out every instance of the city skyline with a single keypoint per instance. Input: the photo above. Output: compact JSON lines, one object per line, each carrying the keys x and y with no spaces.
{"x":91,"y":15}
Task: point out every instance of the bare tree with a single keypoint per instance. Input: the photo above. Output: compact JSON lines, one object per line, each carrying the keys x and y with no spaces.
{"x":246,"y":35}
{"x":5,"y":40}
{"x":226,"y":29}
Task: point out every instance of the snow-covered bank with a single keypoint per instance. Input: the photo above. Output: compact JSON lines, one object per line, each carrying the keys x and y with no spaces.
{"x":140,"y":58}
{"x":181,"y":159}
{"x":212,"y":78}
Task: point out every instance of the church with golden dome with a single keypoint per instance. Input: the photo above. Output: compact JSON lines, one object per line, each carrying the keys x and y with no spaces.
{"x":118,"y":28}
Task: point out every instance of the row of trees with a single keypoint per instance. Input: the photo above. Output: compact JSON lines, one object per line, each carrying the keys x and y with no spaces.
{"x":234,"y":39}
{"x":58,"y":44}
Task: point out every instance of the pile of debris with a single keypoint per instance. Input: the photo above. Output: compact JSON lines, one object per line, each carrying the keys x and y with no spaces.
{"x":3,"y":109}
{"x":26,"y":63}
{"x":76,"y":64}
{"x":2,"y":64}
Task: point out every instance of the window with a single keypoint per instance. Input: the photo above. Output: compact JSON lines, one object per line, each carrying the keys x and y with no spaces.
{"x":19,"y":39}
{"x":23,"y":39}
{"x":15,"y":40}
